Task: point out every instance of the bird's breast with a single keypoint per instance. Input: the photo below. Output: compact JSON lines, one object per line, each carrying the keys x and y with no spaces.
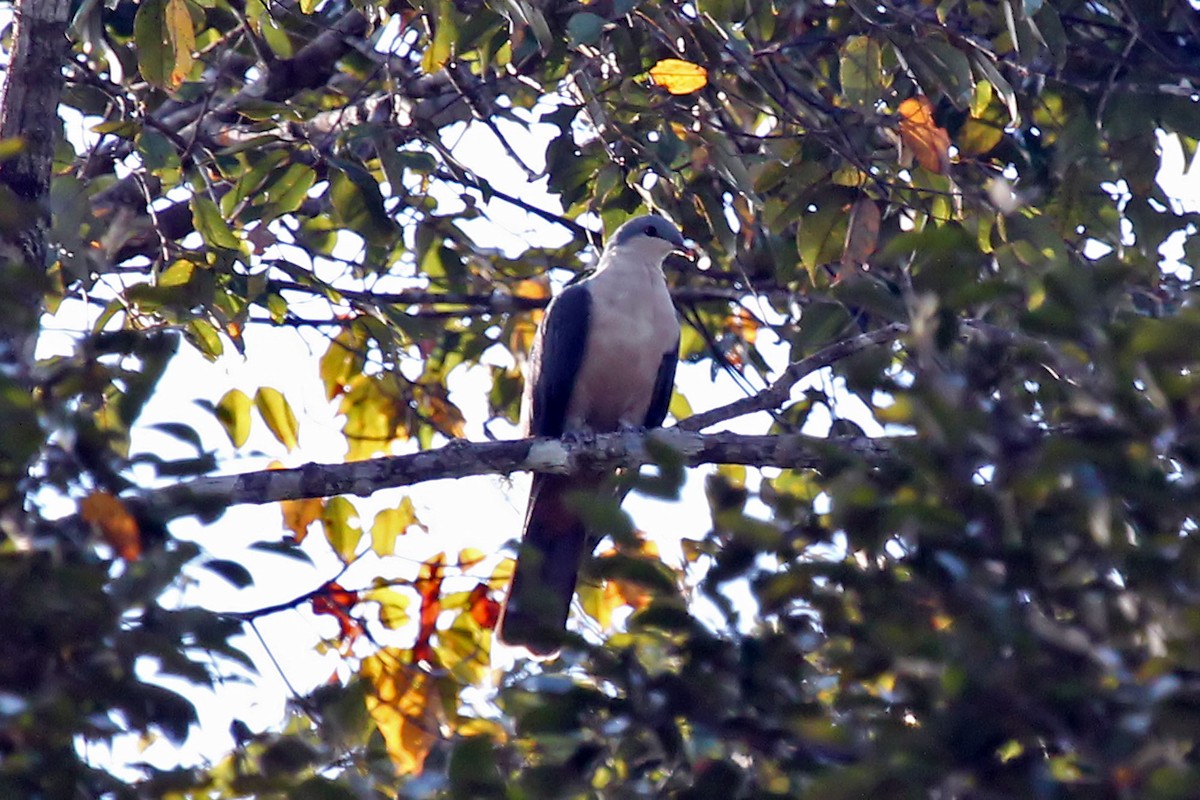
{"x":632,"y":324}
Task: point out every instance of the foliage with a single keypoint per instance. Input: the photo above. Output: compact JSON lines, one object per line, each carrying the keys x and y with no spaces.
{"x":1002,"y":607}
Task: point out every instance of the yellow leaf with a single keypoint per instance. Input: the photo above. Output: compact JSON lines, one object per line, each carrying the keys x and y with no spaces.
{"x":343,"y":361}
{"x":469,"y":557}
{"x":389,"y":524}
{"x":114,"y":523}
{"x":599,"y":602}
{"x":340,"y":518}
{"x":503,"y":572}
{"x":183,"y":39}
{"x":371,"y":407}
{"x":393,"y":606}
{"x":444,"y":415}
{"x":299,"y":514}
{"x":929,"y":143}
{"x":233,"y":412}
{"x":678,"y":76}
{"x":402,"y":703}
{"x":277,"y":413}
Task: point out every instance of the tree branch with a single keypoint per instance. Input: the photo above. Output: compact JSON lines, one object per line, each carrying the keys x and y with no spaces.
{"x":778,"y":392}
{"x":460,"y":459}
{"x":498,"y":302}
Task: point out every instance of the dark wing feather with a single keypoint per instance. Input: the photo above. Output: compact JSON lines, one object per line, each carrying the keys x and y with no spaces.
{"x":664,"y":383}
{"x":563,"y":342}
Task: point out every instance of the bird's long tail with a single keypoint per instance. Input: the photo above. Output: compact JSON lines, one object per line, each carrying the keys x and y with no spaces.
{"x":539,"y":597}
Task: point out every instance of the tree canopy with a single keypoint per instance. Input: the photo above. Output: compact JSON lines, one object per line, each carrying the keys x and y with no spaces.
{"x":983,"y":585}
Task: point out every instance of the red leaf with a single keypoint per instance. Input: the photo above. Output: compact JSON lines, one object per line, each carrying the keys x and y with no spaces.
{"x":337,"y":602}
{"x":429,"y":587}
{"x":484,"y":609}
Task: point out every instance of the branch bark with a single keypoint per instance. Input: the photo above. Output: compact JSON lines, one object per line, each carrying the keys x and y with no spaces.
{"x":460,"y":459}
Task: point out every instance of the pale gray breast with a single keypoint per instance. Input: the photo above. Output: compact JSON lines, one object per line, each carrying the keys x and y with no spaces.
{"x":633,"y":324}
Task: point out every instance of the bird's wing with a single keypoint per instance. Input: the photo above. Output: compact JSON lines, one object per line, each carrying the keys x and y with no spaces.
{"x":556,"y":358}
{"x":664,"y":384}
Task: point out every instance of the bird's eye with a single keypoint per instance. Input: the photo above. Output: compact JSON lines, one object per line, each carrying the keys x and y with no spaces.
{"x":650,"y":231}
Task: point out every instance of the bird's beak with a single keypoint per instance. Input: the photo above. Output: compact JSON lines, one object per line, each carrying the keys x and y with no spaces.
{"x":688,"y":250}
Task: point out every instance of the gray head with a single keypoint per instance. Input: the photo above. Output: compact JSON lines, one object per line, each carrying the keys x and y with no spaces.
{"x":651,"y":232}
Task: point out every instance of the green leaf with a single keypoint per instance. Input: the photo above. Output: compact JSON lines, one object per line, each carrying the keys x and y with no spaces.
{"x":286,"y":193}
{"x":585,"y":28}
{"x":231,"y":571}
{"x":204,"y":335}
{"x":277,"y":413}
{"x":445,"y":34}
{"x":211,"y":225}
{"x":340,"y":520}
{"x":233,"y":412}
{"x":165,"y":39}
{"x":820,"y":236}
{"x":861,"y":70}
{"x":359,"y":203}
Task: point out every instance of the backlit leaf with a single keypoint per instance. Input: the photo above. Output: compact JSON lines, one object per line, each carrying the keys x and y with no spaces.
{"x":343,"y":360}
{"x":108,"y":515}
{"x":389,"y":524}
{"x":484,"y":610}
{"x":337,"y":602}
{"x":401,"y":701}
{"x":929,"y":143}
{"x":429,"y":587}
{"x":233,"y":412}
{"x":393,"y":606}
{"x":276,"y":411}
{"x":469,"y":557}
{"x":678,"y":76}
{"x":340,"y":519}
{"x":299,"y":514}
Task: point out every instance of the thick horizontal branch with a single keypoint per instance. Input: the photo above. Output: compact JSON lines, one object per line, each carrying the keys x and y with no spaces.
{"x":461,"y":459}
{"x":500,"y":302}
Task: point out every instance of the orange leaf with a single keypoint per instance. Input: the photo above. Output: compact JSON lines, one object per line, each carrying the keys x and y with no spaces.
{"x":484,"y":609}
{"x":532,"y":288}
{"x":445,"y":416}
{"x":862,"y":235}
{"x":678,"y":76}
{"x":619,"y":593}
{"x":400,"y":702}
{"x":742,"y":323}
{"x":299,"y":514}
{"x":429,"y":587}
{"x":114,"y":523}
{"x":929,"y":143}
{"x":337,"y":602}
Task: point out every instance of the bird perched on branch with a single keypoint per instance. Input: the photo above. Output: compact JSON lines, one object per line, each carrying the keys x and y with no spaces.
{"x":603,"y":361}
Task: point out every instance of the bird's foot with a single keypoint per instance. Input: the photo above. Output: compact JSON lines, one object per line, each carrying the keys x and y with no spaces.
{"x":580,"y":436}
{"x":631,"y":427}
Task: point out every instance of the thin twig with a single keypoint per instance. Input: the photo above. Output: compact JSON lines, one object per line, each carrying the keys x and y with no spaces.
{"x":778,"y":392}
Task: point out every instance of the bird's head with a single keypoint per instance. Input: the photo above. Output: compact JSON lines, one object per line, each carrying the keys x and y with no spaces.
{"x":651,"y":236}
